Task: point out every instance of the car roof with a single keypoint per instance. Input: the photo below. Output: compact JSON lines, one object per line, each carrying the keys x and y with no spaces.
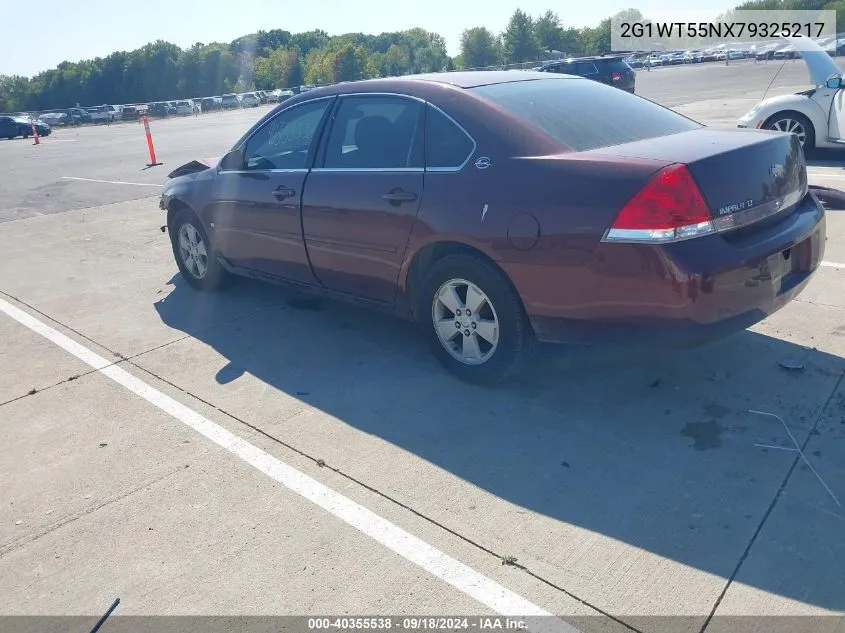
{"x":459,"y":79}
{"x":589,"y":58}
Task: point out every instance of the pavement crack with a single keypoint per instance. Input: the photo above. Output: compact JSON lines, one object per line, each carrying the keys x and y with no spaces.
{"x":120,"y":357}
{"x":36,"y":390}
{"x":508,"y":560}
{"x":813,"y":431}
{"x":74,"y":516}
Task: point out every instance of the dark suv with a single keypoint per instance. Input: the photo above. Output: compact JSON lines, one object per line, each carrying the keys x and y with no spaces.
{"x":612,"y":70}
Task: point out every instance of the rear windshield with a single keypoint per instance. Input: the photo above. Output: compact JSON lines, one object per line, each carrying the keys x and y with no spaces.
{"x":583,"y":114}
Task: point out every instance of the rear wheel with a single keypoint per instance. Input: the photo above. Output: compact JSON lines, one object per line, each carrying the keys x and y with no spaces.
{"x":195,"y":257}
{"x":473,"y":319}
{"x":796,"y":124}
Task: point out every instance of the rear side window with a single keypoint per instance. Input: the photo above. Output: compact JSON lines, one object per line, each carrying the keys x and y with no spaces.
{"x":447,"y":146}
{"x":585,"y":115}
{"x":585,"y":68}
{"x":375,"y":132}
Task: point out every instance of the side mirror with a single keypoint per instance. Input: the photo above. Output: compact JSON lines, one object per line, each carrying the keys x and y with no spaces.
{"x":232,"y":161}
{"x":834,"y":83}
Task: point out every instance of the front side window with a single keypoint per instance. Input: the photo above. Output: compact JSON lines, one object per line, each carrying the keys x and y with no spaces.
{"x":284,"y":141}
{"x":446,"y":144}
{"x":376,"y":133}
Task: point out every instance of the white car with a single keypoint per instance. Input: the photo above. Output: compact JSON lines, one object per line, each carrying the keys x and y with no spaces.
{"x":250,"y":100}
{"x":186,"y":106}
{"x":816,"y":116}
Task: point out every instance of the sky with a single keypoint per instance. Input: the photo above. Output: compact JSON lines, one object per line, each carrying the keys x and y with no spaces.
{"x":84,"y":29}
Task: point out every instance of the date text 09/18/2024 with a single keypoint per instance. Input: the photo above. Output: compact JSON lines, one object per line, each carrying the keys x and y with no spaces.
{"x":426,"y":623}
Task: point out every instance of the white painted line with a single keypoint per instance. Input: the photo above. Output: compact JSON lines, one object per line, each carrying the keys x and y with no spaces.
{"x":408,"y":546}
{"x":833,"y":265}
{"x":112,"y":182}
{"x":825,"y":174}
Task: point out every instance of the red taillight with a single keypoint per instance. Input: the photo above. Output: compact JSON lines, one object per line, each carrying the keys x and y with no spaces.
{"x":669,"y":208}
{"x":616,"y":76}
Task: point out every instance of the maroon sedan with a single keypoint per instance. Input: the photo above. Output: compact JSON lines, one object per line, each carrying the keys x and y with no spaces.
{"x":502,"y":208}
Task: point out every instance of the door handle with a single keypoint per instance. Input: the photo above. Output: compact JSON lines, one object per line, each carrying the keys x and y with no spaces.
{"x":283,"y":192}
{"x":398,"y":196}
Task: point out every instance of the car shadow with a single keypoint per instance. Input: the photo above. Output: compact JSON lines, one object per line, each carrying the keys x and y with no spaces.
{"x":826,"y":157}
{"x":655,"y":449}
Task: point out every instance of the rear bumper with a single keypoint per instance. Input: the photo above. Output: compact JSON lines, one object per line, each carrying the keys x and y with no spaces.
{"x":681,"y":294}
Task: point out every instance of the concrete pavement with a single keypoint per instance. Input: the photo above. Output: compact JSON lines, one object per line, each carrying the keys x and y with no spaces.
{"x":618,"y":489}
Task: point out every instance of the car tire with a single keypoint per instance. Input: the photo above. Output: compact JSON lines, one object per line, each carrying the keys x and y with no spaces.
{"x":785,"y":122}
{"x":507,"y":340}
{"x":194,"y":254}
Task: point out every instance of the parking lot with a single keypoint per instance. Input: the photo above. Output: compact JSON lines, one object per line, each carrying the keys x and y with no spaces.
{"x":253,"y":452}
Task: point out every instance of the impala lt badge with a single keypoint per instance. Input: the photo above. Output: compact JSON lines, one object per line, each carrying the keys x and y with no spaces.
{"x":777,"y":171}
{"x":737,"y":206}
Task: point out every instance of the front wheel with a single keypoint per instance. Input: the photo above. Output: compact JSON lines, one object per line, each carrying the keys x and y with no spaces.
{"x":195,"y":256}
{"x":474,"y":319}
{"x":796,"y":124}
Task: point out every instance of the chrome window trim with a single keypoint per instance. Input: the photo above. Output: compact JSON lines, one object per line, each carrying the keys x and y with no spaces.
{"x":413,"y":170}
{"x":265,"y":171}
{"x":366,"y":94}
{"x":425,"y":103}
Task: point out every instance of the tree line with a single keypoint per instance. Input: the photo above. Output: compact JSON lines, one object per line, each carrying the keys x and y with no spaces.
{"x":279,"y":59}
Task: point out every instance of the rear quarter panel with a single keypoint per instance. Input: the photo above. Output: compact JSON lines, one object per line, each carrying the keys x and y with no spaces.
{"x":540,"y":214}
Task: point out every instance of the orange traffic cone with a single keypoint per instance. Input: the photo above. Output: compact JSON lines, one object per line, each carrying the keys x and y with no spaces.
{"x":35,"y":133}
{"x":153,"y":161}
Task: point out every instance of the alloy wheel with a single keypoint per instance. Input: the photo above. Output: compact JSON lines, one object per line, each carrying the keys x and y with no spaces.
{"x":192,"y":250}
{"x":465,"y":321}
{"x":793,"y":126}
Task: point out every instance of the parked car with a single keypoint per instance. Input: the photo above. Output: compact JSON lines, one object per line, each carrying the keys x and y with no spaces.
{"x":131,"y":113}
{"x":116,"y":111}
{"x":231,"y":101}
{"x":765,"y":52}
{"x":79,"y":116}
{"x":670,"y":254}
{"x":816,"y":117}
{"x":787,"y":52}
{"x":99,"y":114}
{"x":54,"y":119}
{"x":13,"y":126}
{"x":158,"y":109}
{"x":184,"y":107}
{"x":250,"y":100}
{"x":675,"y":58}
{"x":655,"y":60}
{"x":262,"y":95}
{"x":609,"y":69}
{"x":306,"y":88}
{"x":209,"y":104}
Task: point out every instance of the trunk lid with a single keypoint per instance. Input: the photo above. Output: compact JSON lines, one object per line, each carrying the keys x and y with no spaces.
{"x":744,"y":175}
